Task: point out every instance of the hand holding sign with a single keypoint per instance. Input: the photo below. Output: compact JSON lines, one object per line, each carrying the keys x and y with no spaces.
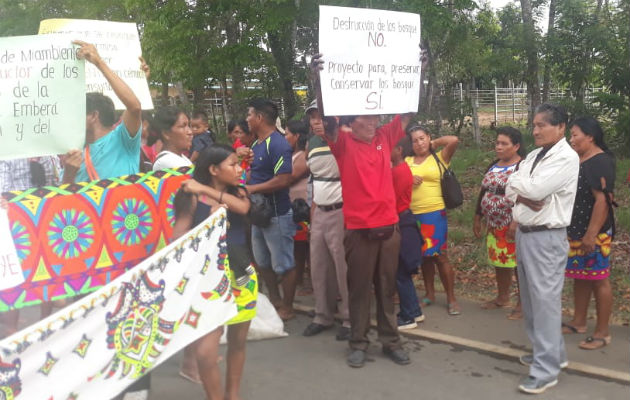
{"x":144,"y":67}
{"x":118,"y":45}
{"x":88,"y":52}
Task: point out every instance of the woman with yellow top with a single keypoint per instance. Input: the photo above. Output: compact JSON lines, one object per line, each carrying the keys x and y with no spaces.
{"x":427,"y":205}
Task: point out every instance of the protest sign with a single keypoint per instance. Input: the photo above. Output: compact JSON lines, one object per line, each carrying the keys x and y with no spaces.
{"x":42,"y":96}
{"x":371,"y":61}
{"x":118,"y":44}
{"x":10,"y":270}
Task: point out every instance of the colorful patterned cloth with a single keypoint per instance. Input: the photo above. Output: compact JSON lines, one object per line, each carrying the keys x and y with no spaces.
{"x":301,"y":232}
{"x":434,"y":230}
{"x":73,"y":239}
{"x":246,"y":297}
{"x":501,"y":250}
{"x":495,"y":207}
{"x":99,"y":345}
{"x":593,"y":266}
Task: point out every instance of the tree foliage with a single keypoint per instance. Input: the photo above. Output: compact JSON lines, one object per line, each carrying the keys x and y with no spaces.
{"x":251,"y":48}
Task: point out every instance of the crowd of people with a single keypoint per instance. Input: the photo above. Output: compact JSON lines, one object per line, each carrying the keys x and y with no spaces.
{"x":359,"y":205}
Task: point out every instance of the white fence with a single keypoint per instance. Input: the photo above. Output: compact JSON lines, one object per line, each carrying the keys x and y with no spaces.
{"x":510,"y":104}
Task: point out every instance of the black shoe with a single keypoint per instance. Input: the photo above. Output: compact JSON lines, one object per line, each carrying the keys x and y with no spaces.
{"x":343,"y":334}
{"x":399,"y":356}
{"x":356,"y":358}
{"x":313,"y":329}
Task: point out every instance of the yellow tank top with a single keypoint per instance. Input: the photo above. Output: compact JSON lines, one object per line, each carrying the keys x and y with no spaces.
{"x":426,"y":197}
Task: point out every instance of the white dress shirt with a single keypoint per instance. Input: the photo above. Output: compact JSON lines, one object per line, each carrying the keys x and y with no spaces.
{"x":553,"y":180}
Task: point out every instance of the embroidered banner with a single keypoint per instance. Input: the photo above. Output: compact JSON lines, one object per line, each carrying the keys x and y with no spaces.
{"x":73,"y":239}
{"x":99,"y":345}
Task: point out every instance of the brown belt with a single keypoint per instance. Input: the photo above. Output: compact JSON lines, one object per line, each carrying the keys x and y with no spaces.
{"x":534,"y":228}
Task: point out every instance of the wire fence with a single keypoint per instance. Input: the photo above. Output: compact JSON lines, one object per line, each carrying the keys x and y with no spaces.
{"x":511,"y":104}
{"x":216,"y":107}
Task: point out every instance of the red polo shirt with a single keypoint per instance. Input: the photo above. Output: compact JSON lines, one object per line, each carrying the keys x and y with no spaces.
{"x":366,"y":176}
{"x":403,"y":183}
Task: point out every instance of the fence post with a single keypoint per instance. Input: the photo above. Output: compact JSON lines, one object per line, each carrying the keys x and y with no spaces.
{"x":496,"y":105}
{"x":461,"y":99}
{"x":513,"y":102}
{"x":475,"y":118}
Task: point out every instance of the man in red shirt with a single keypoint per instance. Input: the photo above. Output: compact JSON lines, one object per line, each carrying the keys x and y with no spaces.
{"x":372,"y":239}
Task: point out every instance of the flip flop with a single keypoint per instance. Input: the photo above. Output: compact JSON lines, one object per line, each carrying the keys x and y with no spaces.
{"x":453,"y":309}
{"x":570,"y":329}
{"x":426,"y":301}
{"x":515,"y":315}
{"x":594,"y":343}
{"x":190,"y":377}
{"x":493,"y":305}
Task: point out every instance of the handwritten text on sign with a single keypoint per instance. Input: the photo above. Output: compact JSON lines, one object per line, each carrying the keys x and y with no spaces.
{"x":118,"y":44}
{"x":10,"y":269}
{"x":371,"y":61}
{"x":42,"y":96}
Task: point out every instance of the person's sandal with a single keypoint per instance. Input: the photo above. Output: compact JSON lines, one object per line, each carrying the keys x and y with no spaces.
{"x":453,"y":309}
{"x":594,"y":343}
{"x":515,"y":315}
{"x":570,"y":329}
{"x":493,"y":305}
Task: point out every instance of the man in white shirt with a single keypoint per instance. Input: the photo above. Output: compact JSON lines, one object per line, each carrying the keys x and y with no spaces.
{"x":543,"y":191}
{"x":328,"y":255}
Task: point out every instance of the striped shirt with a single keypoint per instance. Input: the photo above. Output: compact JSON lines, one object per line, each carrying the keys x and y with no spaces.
{"x":325,"y":173}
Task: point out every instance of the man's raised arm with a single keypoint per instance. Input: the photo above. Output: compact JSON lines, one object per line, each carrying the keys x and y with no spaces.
{"x":132,"y":116}
{"x":330,"y":123}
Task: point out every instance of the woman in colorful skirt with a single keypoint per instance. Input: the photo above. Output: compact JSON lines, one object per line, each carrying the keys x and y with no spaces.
{"x":496,"y":210}
{"x":591,"y":232}
{"x":215,"y":184}
{"x":427,"y":205}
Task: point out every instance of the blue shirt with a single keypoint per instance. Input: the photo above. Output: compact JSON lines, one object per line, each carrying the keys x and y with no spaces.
{"x":272,"y":157}
{"x":201,"y":141}
{"x":115,"y":154}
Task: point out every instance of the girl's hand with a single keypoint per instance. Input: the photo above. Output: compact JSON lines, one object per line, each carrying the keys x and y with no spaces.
{"x":4,"y":204}
{"x":417,"y":180}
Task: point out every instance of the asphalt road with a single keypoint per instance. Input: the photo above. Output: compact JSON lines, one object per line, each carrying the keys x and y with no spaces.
{"x":312,"y":368}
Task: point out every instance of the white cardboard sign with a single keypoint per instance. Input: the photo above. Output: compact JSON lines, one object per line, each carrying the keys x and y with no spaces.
{"x":118,"y":44}
{"x":42,"y":96}
{"x":371,"y":61}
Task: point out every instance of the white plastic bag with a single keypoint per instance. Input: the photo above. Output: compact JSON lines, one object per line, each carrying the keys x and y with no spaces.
{"x":266,"y":324}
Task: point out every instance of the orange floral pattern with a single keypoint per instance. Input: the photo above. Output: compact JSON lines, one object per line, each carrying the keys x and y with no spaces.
{"x":501,"y":251}
{"x":591,"y":266}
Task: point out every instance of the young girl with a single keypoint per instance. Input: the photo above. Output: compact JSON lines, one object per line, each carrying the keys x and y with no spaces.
{"x":215,"y":184}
